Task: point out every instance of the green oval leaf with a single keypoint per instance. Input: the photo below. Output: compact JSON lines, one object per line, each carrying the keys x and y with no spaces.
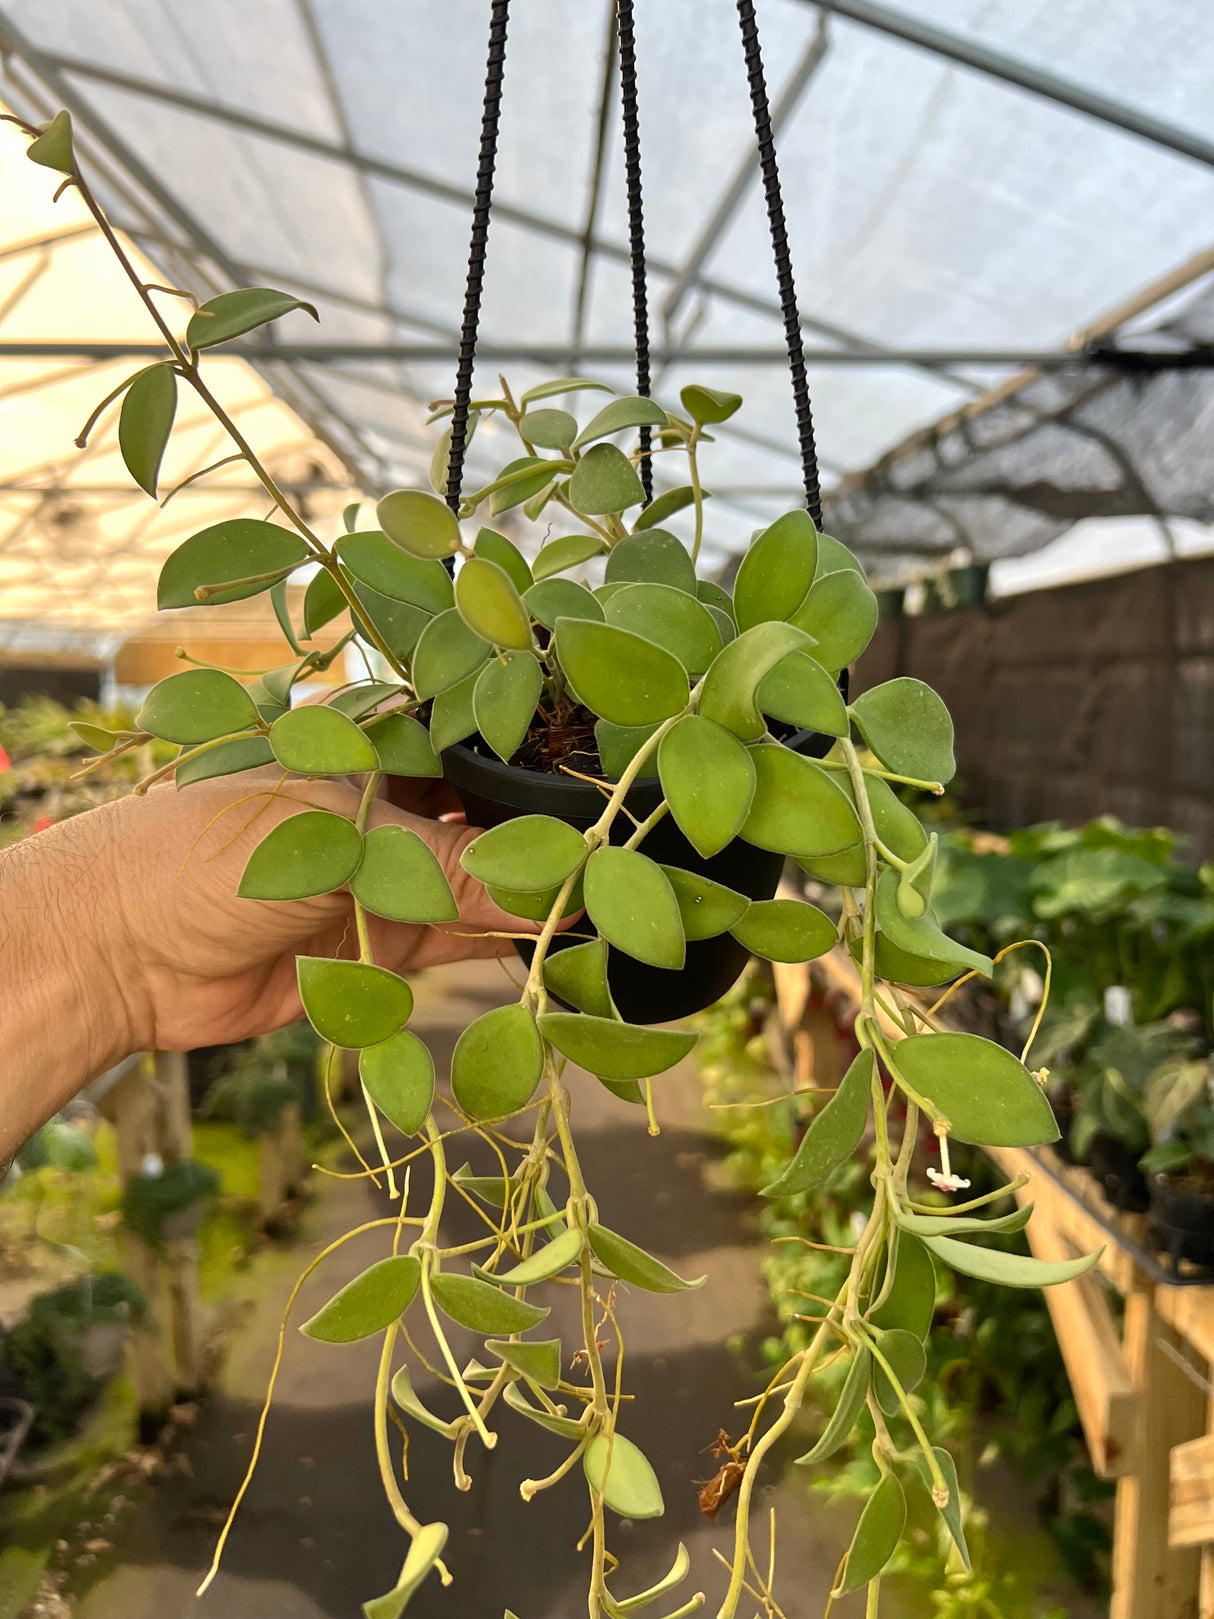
{"x":323,"y":601}
{"x":785,"y":930}
{"x":671,"y":619}
{"x":453,"y":713}
{"x":398,"y":624}
{"x":530,"y":853}
{"x":834,"y":557}
{"x":612,"y":1050}
{"x":833,"y":1135}
{"x":398,"y":1076}
{"x":495,"y":547}
{"x":847,"y":868}
{"x":921,"y":938}
{"x":482,"y":1306}
{"x":732,"y":682}
{"x":620,"y":676}
{"x":667,"y":504}
{"x":577,"y":975}
{"x":351,"y":1003}
{"x":561,"y":598}
{"x":708,"y":779}
{"x":1009,"y":1270}
{"x":53,"y":147}
{"x":561,"y":385}
{"x":877,"y":1536}
{"x":908,"y":727}
{"x":490,"y":606}
{"x":801,"y":692}
{"x":549,"y":429}
{"x":911,"y":1300}
{"x":447,"y":651}
{"x":403,"y":746}
{"x":519,"y":481}
{"x":320,"y":741}
{"x":236,"y":550}
{"x":986,"y":1094}
{"x":798,"y":807}
{"x":631,"y":411}
{"x":377,"y":561}
{"x":632,"y":1264}
{"x":951,"y":1511}
{"x":604,"y":481}
{"x":548,"y":1261}
{"x":777,"y":571}
{"x":564,"y":1427}
{"x":423,"y":524}
{"x":708,"y":406}
{"x":495,"y":1068}
{"x":900,"y":967}
{"x":943,"y":1225}
{"x":630,"y":901}
{"x":232,"y":314}
{"x":618,"y":745}
{"x":145,"y":422}
{"x":424,"y":1552}
{"x":908,"y":1362}
{"x":653,"y":557}
{"x":840,"y":612}
{"x":896,"y":825}
{"x":706,"y":909}
{"x":504,"y":701}
{"x":311,"y":853}
{"x":619,"y":1472}
{"x":197,"y":705}
{"x":534,"y":907}
{"x":229,"y":758}
{"x":539,"y":1362}
{"x":846,"y":1413}
{"x":400,"y":878}
{"x":567,"y":552}
{"x":368,"y":1304}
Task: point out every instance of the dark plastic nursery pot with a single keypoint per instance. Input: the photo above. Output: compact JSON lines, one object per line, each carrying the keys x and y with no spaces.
{"x":492,"y":792}
{"x":1116,"y":1168}
{"x":1181,"y":1222}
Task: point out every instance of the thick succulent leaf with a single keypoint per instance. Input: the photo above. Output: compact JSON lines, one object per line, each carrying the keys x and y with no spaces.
{"x":530,"y":854}
{"x":406,"y":1397}
{"x":631,"y":411}
{"x":424,"y":1553}
{"x":776,"y":571}
{"x":400,"y":878}
{"x":730,"y":686}
{"x":561,"y":385}
{"x":310,"y":853}
{"x":708,"y":779}
{"x":551,"y":599}
{"x":801,"y":692}
{"x":667,"y":504}
{"x":241,"y":548}
{"x":447,"y":651}
{"x":351,"y":1003}
{"x":398,"y":1076}
{"x":535,"y":907}
{"x":833,"y":1135}
{"x":921,"y":937}
{"x":951,"y":1511}
{"x":368,"y":1304}
{"x":714,"y":595}
{"x":986,"y":1094}
{"x":621,"y":1474}
{"x":618,"y":744}
{"x":709,"y":406}
{"x":495,"y":547}
{"x":321,"y":741}
{"x":563,"y":1427}
{"x":398,"y":624}
{"x":568,"y":551}
{"x":672,"y":619}
{"x":577,"y":975}
{"x":630,"y":901}
{"x":539,"y":1362}
{"x":603,"y":481}
{"x":53,"y":146}
{"x":897,"y":826}
{"x":232,"y":314}
{"x":619,"y":676}
{"x":195,"y":706}
{"x":678,"y":1573}
{"x":547,"y":1261}
{"x":840,"y":612}
{"x":785,"y":930}
{"x":877,"y":1536}
{"x":228,"y":759}
{"x":521,"y":480}
{"x":379,"y":562}
{"x":834,"y":557}
{"x":1009,"y":1270}
{"x":651,"y":557}
{"x":482,"y":1306}
{"x":453,"y":713}
{"x":907,"y":1360}
{"x":847,"y":1411}
{"x":798,"y":808}
{"x":423,"y":524}
{"x":496,"y":1066}
{"x":846,"y":868}
{"x":957,"y":1225}
{"x":145,"y":422}
{"x":632,"y":1264}
{"x":614,"y":1050}
{"x":356,"y":702}
{"x":706,"y":909}
{"x":504,"y":698}
{"x":911,"y":1300}
{"x":403,"y":746}
{"x":908,"y":727}
{"x":548,"y":429}
{"x":490,"y":605}
{"x":900,"y":967}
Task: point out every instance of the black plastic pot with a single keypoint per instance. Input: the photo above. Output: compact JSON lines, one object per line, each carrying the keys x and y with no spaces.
{"x":1116,"y":1168}
{"x":1182,"y":1221}
{"x":492,"y":792}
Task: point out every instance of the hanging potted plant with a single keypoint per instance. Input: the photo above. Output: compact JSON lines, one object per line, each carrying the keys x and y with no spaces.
{"x":640,"y":755}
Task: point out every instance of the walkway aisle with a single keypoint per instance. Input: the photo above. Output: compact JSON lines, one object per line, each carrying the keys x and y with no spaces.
{"x":314,"y":1537}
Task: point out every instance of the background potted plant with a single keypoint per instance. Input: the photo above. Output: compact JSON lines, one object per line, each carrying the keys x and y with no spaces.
{"x":1179,"y":1105}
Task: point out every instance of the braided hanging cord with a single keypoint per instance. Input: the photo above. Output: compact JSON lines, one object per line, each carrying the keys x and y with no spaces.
{"x":636,"y":221}
{"x":779,"y":244}
{"x":495,"y":69}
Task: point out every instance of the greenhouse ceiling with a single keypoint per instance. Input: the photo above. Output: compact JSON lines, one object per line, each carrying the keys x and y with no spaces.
{"x":972,"y":186}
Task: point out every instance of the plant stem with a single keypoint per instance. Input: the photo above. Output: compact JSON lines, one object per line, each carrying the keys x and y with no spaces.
{"x":693,"y":471}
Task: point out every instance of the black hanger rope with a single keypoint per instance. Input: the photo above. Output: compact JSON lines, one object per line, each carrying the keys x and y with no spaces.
{"x":636,"y":220}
